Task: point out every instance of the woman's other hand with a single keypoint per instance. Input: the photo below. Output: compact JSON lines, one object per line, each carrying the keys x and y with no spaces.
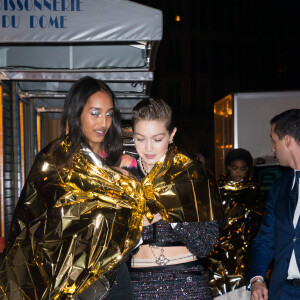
{"x":156,"y":218}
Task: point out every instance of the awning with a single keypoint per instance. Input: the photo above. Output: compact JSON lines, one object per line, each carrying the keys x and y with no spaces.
{"x":45,"y":45}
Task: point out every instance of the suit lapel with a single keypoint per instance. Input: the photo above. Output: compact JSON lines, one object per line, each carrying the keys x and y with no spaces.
{"x":284,"y":203}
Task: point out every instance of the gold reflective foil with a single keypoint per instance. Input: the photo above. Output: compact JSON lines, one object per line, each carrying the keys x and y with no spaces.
{"x":182,"y":190}
{"x":70,"y":228}
{"x":74,"y":226}
{"x":230,"y":257}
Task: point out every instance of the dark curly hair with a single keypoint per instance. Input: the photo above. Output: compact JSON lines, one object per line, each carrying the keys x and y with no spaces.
{"x":239,"y":154}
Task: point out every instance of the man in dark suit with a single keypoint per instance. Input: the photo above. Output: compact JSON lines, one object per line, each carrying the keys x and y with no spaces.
{"x":278,"y":239}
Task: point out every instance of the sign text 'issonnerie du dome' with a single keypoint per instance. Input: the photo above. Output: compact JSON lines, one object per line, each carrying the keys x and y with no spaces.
{"x":11,"y":12}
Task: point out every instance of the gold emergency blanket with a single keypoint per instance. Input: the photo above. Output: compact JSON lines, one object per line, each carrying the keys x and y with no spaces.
{"x":70,"y":229}
{"x":230,"y":257}
{"x":182,"y":190}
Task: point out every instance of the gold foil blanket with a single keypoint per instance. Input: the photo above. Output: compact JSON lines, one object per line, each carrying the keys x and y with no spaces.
{"x":75,"y":226}
{"x":69,"y":229}
{"x":182,"y":190}
{"x":243,"y":212}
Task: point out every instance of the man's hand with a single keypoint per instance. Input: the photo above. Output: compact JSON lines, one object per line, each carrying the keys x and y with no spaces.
{"x":259,"y":290}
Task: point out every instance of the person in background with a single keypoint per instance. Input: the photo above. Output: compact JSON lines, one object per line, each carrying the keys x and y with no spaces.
{"x":182,"y":224}
{"x":238,"y":163}
{"x":64,"y":240}
{"x":241,"y":200}
{"x":278,"y":239}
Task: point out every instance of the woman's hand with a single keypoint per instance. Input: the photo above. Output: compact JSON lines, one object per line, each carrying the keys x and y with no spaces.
{"x":156,"y":218}
{"x":127,"y":161}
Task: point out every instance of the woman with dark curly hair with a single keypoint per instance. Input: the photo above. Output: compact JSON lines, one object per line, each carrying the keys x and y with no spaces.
{"x":238,"y":163}
{"x":243,"y":207}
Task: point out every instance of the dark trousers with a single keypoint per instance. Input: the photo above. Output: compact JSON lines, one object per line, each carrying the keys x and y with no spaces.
{"x":290,"y":292}
{"x":121,"y":288}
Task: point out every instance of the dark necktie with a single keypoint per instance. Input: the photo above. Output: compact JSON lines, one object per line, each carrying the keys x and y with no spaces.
{"x":294,"y":193}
